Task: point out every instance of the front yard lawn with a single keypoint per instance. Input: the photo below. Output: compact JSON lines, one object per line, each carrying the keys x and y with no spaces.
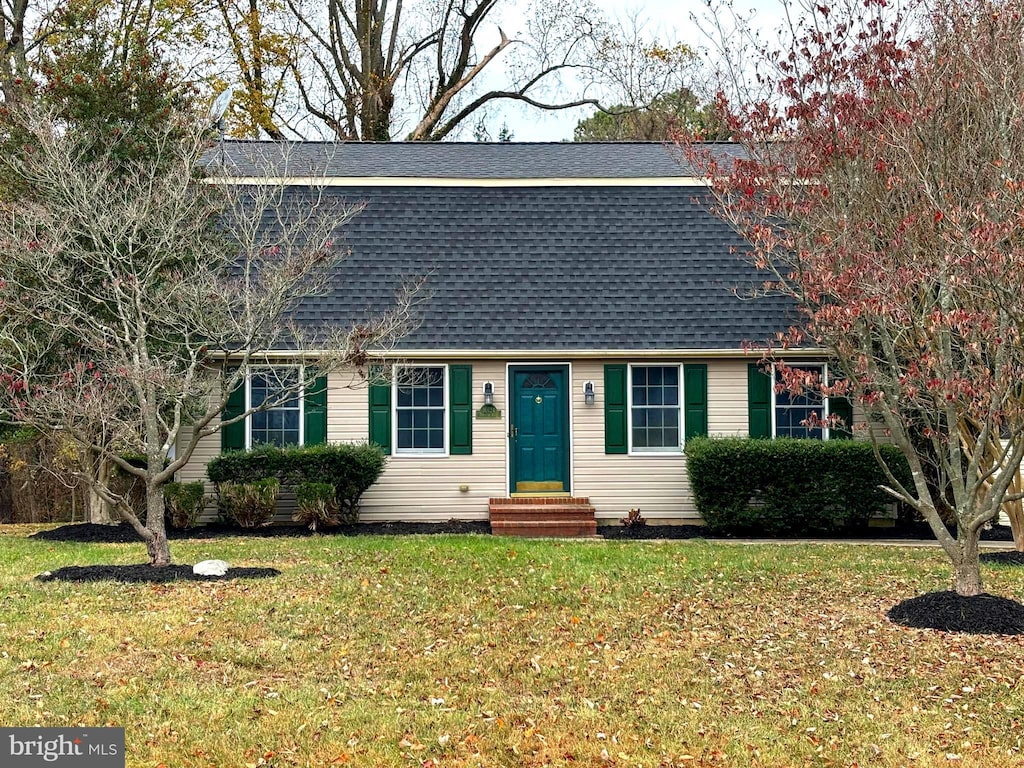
{"x":473,"y":650}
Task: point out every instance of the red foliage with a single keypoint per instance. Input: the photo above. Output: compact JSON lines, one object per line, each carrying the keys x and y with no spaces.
{"x":883,"y":191}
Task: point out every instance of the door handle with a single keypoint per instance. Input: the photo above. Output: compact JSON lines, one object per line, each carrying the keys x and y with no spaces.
{"x":513,"y":431}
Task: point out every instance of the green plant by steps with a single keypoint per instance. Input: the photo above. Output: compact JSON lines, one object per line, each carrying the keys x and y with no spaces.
{"x":249,"y":505}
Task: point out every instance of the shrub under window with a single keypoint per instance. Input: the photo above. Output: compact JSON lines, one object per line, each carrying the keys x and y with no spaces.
{"x":788,"y":487}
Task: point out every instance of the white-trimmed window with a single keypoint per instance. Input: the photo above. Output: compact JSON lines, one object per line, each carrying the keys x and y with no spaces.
{"x":655,"y":409}
{"x":421,"y":405}
{"x":789,"y":410}
{"x":281,"y":422}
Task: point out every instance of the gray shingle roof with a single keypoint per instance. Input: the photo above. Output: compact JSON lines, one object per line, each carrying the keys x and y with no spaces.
{"x":460,"y":160}
{"x":552,"y":268}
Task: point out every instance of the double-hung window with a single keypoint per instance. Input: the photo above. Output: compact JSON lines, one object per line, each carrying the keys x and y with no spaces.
{"x":792,"y":410}
{"x":277,"y":391}
{"x":655,"y":415}
{"x":420,"y":397}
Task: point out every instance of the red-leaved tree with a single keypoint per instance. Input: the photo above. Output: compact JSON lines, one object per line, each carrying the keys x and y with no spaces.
{"x":883,"y":191}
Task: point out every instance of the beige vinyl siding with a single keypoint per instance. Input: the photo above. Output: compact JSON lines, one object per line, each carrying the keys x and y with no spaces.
{"x":426,"y":488}
{"x":656,"y":484}
{"x":208,"y":448}
{"x":411,"y":487}
{"x":728,"y":413}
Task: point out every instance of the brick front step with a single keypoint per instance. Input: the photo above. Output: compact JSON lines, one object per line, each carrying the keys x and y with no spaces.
{"x":546,"y":513}
{"x":543,"y":528}
{"x":543,"y":516}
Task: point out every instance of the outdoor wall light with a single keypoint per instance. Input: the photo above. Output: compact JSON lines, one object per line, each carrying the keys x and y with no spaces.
{"x":588,"y":393}
{"x":488,"y":393}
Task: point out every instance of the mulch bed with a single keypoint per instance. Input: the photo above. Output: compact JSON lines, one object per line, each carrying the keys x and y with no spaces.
{"x":148,"y":574}
{"x":124,"y":533}
{"x":947,"y":611}
{"x":1003,"y":558}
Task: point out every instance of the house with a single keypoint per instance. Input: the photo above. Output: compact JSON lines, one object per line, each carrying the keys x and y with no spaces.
{"x":587,"y":315}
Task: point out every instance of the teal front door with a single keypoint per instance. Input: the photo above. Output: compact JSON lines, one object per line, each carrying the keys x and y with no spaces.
{"x":539,"y":429}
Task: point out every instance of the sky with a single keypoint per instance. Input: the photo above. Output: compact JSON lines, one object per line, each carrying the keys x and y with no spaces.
{"x":670,"y":21}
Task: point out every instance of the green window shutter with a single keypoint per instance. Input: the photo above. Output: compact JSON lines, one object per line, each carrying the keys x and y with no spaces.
{"x":695,"y":403}
{"x":615,"y":409}
{"x":759,"y":402}
{"x":460,"y":405}
{"x":232,"y":437}
{"x":315,"y":404}
{"x":380,"y":412}
{"x":843,"y":408}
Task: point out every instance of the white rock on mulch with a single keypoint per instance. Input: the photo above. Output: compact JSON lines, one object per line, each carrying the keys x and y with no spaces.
{"x":210,"y":568}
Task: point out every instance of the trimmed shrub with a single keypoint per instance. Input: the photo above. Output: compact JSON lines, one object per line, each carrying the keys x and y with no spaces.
{"x":184,"y":502}
{"x":788,"y":486}
{"x":249,"y":505}
{"x":349,"y":468}
{"x":316,"y":506}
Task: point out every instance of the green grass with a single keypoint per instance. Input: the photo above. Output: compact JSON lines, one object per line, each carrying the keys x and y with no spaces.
{"x":479,"y":651}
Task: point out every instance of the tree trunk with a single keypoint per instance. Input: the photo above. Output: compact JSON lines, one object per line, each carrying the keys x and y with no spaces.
{"x":99,"y":509}
{"x":158,"y":549}
{"x":966,"y":567}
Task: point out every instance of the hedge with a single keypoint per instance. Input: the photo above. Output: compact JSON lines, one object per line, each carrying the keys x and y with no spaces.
{"x":351,"y":469}
{"x":788,"y":486}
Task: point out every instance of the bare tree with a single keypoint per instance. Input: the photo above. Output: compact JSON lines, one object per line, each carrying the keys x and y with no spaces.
{"x":376,"y":69}
{"x":126,"y":286}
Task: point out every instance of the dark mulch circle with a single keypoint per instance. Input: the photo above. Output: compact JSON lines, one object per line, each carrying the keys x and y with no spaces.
{"x":148,"y":574}
{"x":947,"y":611}
{"x":1003,"y":558}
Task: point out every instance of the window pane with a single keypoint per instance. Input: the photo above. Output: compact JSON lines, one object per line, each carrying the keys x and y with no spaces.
{"x":793,"y":409}
{"x":436,"y":419}
{"x":436,"y":396}
{"x":277,"y":388}
{"x":655,"y":407}
{"x":671,"y":396}
{"x":419,"y":409}
{"x":404,"y":398}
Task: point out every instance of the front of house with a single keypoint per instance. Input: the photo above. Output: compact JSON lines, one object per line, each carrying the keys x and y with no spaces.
{"x":586,"y":315}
